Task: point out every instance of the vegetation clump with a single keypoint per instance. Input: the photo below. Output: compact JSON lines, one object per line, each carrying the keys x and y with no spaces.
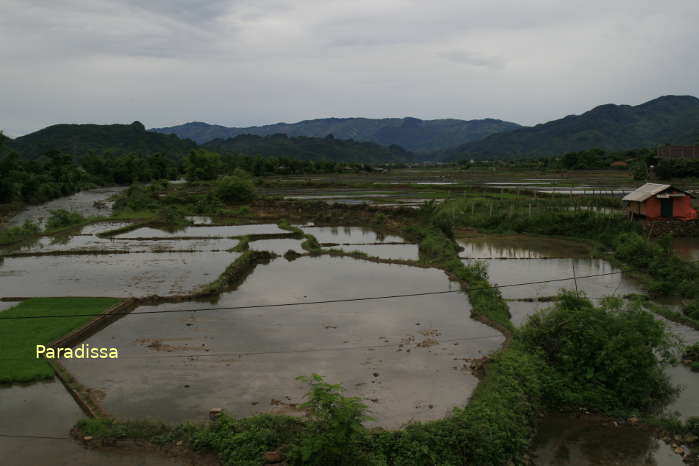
{"x":19,"y":233}
{"x":235,"y":188}
{"x":603,"y":357}
{"x":62,"y":218}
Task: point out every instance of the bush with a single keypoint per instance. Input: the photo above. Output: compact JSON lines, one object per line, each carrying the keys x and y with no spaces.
{"x":235,"y":189}
{"x":15,"y":234}
{"x":604,"y":357}
{"x":62,"y":218}
{"x":334,"y":434}
{"x":137,"y":198}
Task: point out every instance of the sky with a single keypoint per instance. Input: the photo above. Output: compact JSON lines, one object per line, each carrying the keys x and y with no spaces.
{"x":251,"y":62}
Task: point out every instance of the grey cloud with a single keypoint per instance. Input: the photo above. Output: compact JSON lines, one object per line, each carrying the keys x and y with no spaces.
{"x":248,"y":62}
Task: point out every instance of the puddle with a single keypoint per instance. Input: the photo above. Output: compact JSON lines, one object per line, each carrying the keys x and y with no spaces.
{"x":570,"y":441}
{"x":202,"y":231}
{"x":82,"y":202}
{"x":115,"y":275}
{"x":177,"y":366}
{"x":350,"y":235}
{"x":686,"y":248}
{"x":47,"y":410}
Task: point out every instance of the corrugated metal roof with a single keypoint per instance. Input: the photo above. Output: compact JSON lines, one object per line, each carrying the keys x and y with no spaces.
{"x":646,"y":191}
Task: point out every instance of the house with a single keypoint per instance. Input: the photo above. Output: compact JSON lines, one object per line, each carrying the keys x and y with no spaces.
{"x":660,"y":201}
{"x":677,"y":152}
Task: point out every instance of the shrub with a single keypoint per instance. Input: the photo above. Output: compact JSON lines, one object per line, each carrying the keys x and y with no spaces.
{"x":235,"y":189}
{"x":19,"y":233}
{"x":62,"y":218}
{"x":137,"y":197}
{"x":605,"y":357}
{"x":334,"y":434}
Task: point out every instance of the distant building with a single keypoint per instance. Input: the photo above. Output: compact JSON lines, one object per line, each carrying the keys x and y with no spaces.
{"x":678,"y":152}
{"x":660,"y":201}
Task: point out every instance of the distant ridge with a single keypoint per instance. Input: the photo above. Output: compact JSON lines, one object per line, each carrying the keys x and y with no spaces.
{"x":667,"y":119}
{"x":86,"y":138}
{"x":410,"y":133}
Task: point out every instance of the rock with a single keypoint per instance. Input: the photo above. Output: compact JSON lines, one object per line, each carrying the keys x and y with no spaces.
{"x":273,"y":457}
{"x":633,"y":420}
{"x":87,"y":438}
{"x":179,"y":443}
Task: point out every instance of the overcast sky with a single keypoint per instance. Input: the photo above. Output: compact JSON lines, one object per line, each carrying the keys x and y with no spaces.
{"x":249,"y":62}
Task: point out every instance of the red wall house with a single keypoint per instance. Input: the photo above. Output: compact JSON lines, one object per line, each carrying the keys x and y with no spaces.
{"x":654,"y":201}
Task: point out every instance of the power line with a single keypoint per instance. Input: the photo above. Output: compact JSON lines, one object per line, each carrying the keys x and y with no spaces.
{"x":327,"y":301}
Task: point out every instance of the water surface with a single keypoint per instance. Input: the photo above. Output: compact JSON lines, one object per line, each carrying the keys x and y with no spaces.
{"x":389,"y":352}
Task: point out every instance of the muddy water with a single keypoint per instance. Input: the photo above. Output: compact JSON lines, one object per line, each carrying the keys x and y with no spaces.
{"x":570,"y":441}
{"x":686,"y":248}
{"x":178,"y":366}
{"x":82,"y":202}
{"x":205,"y":231}
{"x":112,"y":274}
{"x":47,"y":410}
{"x":355,"y":235}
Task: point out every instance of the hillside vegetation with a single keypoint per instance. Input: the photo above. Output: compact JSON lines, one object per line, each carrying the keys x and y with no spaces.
{"x":668,"y":119}
{"x":99,"y":139}
{"x":411,"y":133}
{"x":310,"y":148}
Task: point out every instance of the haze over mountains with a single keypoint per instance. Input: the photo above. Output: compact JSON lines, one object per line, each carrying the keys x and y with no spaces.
{"x":667,"y":119}
{"x":413,"y":134}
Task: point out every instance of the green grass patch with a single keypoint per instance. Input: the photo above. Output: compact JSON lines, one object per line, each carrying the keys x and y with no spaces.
{"x":18,"y":338}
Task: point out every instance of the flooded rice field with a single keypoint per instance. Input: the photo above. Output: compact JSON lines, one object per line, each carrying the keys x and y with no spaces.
{"x":385,"y":251}
{"x":116,"y":275}
{"x":278,"y":246}
{"x":177,"y":366}
{"x":579,"y":441}
{"x":47,"y":411}
{"x":87,"y":203}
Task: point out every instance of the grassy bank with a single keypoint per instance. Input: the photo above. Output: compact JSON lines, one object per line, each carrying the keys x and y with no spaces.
{"x":18,"y":338}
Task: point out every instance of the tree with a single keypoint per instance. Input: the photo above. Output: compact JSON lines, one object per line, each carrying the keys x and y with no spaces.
{"x":202,"y":165}
{"x":235,"y":188}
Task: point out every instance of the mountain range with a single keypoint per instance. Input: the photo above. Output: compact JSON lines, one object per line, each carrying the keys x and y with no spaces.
{"x":665,"y":120}
{"x":413,"y":134}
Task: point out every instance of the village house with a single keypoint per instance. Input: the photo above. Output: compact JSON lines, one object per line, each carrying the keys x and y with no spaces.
{"x":654,"y":201}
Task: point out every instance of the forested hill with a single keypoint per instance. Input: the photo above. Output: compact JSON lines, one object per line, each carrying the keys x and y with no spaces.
{"x":668,"y":119}
{"x":310,"y":148}
{"x":413,"y":134}
{"x":100,"y":139}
